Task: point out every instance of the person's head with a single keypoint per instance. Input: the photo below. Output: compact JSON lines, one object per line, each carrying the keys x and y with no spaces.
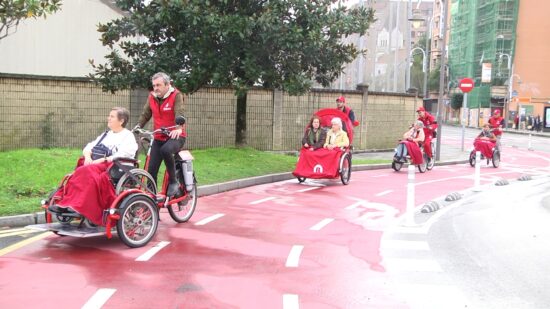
{"x":496,"y":113}
{"x":418,"y":124}
{"x":486,"y":127}
{"x":421,"y":111}
{"x":315,"y":122}
{"x":336,"y":124}
{"x":161,"y":84}
{"x":118,"y":118}
{"x":340,"y":102}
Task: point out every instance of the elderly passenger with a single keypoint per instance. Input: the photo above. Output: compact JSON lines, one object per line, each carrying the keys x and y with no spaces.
{"x":336,"y":137}
{"x":410,"y":144}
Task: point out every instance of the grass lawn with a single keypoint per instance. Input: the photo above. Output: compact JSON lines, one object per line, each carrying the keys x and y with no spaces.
{"x":28,"y":175}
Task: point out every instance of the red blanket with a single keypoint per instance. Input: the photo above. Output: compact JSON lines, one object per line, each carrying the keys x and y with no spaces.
{"x":320,"y":163}
{"x":485,"y":147}
{"x":414,"y":152}
{"x":88,"y":191}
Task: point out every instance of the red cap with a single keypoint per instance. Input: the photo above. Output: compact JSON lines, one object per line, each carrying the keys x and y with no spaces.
{"x":496,"y":112}
{"x":421,"y":109}
{"x":341,"y":99}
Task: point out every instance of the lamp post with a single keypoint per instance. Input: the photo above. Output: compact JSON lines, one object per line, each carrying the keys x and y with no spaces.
{"x":424,"y":68}
{"x":443,"y":36}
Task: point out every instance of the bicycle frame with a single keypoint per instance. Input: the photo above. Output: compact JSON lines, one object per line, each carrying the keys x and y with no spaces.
{"x":161,"y":199}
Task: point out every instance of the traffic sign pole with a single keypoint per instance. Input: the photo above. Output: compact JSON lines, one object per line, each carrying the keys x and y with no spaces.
{"x":464,"y":104}
{"x":466,"y":85}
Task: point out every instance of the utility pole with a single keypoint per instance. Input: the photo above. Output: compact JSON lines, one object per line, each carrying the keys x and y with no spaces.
{"x":443,"y":37}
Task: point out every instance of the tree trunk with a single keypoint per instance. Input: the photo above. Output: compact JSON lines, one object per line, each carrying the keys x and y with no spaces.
{"x":240,"y":125}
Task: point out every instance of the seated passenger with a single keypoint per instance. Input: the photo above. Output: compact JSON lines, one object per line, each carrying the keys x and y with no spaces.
{"x":89,"y":189}
{"x":486,"y":133}
{"x":485,"y":141}
{"x":410,"y":144}
{"x":336,"y":137}
{"x":315,"y":136}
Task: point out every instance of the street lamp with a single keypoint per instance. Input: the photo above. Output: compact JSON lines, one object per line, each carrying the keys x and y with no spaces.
{"x":416,"y":19}
{"x":424,"y":67}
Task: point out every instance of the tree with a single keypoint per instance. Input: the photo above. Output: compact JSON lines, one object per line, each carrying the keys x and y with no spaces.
{"x":456,"y":101}
{"x":279,"y":44}
{"x":433,"y":79}
{"x":13,"y":11}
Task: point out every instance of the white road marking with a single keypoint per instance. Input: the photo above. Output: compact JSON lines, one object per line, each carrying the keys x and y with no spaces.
{"x":383,"y":175}
{"x":99,"y":298}
{"x":354,"y":205}
{"x":263,"y":200}
{"x":15,"y":233}
{"x":321,"y":224}
{"x":149,"y":254}
{"x":384,"y":192}
{"x":209,"y":219}
{"x":294,"y":256}
{"x":14,"y":230}
{"x":413,"y":265}
{"x":290,"y":301}
{"x":308,"y":189}
{"x":433,"y":296}
{"x":404,"y":244}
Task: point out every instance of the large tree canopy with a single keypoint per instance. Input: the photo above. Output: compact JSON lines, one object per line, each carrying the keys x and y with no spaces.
{"x":13,"y":11}
{"x":280,"y":44}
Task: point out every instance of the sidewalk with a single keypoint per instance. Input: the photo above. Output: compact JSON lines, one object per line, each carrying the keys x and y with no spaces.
{"x":450,"y":154}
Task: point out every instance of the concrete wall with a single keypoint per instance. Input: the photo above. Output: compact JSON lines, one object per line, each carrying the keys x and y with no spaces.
{"x":69,"y":112}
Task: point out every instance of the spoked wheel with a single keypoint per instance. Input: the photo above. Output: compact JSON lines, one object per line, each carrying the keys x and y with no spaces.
{"x":472,"y":158}
{"x":301,"y":179}
{"x":345,"y":168}
{"x":496,"y":158}
{"x":182,"y":211}
{"x":63,"y":219}
{"x":431,"y":162}
{"x":396,"y":165}
{"x":146,"y":182}
{"x":424,"y":165}
{"x":138,"y":220}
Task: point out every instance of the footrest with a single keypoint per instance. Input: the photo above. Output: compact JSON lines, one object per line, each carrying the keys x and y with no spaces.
{"x":71,"y":229}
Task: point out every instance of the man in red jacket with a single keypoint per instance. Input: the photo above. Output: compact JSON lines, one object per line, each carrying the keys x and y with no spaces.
{"x":430,"y":125}
{"x":497,"y":123}
{"x":163,"y":104}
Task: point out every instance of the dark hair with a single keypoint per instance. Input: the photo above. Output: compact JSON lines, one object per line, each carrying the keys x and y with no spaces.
{"x":122,"y":114}
{"x":311,"y":121}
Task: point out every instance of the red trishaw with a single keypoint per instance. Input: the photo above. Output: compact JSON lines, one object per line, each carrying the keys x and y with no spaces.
{"x":134,"y":213}
{"x":489,"y":151}
{"x":323,"y":163}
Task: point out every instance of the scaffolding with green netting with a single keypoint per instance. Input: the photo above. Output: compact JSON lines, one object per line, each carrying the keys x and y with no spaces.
{"x":482,"y":31}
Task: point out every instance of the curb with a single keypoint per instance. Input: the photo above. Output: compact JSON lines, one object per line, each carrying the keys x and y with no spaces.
{"x":38,"y":217}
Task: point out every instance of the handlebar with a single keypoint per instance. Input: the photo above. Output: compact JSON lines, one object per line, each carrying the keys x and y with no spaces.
{"x":163,"y":130}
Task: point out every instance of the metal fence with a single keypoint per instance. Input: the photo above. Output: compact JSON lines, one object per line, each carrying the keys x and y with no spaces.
{"x":38,"y":112}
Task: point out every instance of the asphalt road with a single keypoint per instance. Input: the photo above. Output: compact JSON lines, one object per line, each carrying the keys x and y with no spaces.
{"x":314,"y":245}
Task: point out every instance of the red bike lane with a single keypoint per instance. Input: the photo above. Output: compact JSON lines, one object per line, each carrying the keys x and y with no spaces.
{"x":280,"y":245}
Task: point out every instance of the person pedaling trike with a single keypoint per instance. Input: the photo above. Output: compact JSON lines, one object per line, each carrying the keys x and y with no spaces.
{"x":107,"y":190}
{"x":410,"y":149}
{"x":487,"y":144}
{"x":430,"y":131}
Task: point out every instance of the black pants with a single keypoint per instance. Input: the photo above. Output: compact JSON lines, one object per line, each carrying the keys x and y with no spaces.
{"x":165,"y":150}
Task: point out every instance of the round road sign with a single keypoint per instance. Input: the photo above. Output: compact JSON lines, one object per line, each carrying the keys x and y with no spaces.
{"x":466,"y":85}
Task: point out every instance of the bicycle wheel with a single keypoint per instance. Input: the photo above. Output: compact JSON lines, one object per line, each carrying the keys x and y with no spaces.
{"x":496,"y":158}
{"x":138,"y":220}
{"x":424,"y":165}
{"x":345,"y":168}
{"x":181,"y":212}
{"x":146,"y":184}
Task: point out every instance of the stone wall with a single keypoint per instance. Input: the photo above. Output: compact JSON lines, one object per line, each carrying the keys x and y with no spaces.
{"x":69,"y":112}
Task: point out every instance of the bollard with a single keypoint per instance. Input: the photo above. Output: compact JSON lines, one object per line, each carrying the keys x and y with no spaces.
{"x":410,"y":195}
{"x":529,"y":147}
{"x":477,"y":174}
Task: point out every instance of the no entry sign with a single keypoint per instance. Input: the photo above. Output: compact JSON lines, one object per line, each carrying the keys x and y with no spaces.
{"x":466,"y":85}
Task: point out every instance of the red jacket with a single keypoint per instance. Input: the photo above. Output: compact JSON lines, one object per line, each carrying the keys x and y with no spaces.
{"x":495,"y":122}
{"x":429,"y":124}
{"x":164,"y":115}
